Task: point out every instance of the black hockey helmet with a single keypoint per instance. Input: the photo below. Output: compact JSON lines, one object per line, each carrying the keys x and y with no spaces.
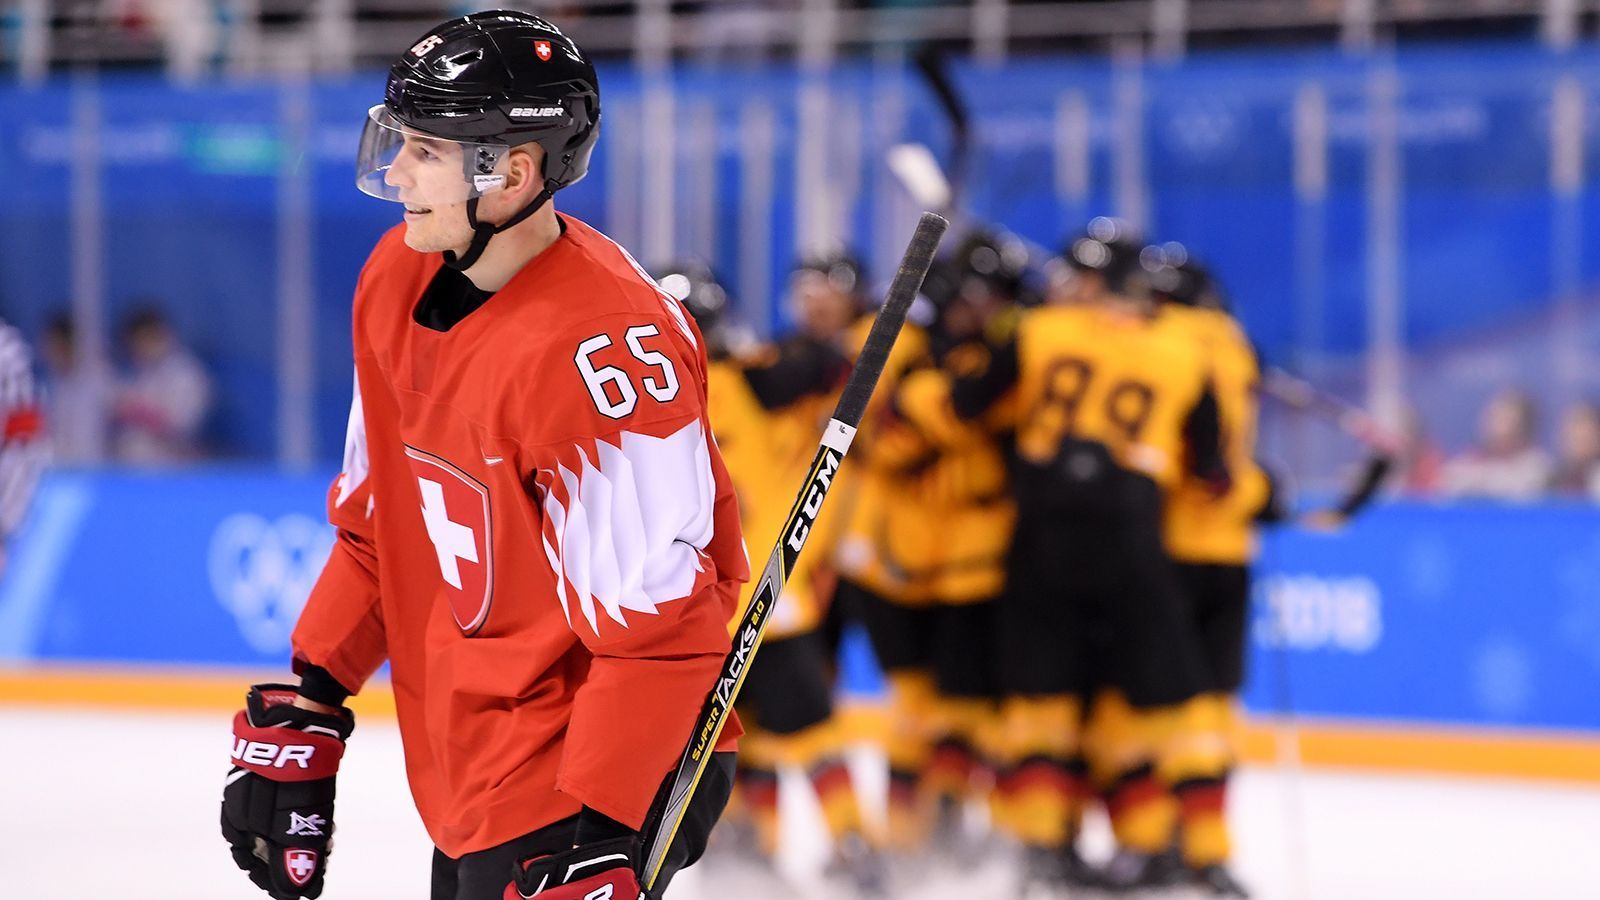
{"x":697,"y":288}
{"x":486,"y":83}
{"x":1177,"y":277}
{"x":1111,"y":249}
{"x":985,"y":270}
{"x":997,"y":259}
{"x":978,"y":263}
{"x":842,"y":270}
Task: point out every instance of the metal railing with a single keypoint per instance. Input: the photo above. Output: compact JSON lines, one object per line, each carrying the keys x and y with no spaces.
{"x":666,"y":212}
{"x":192,"y":37}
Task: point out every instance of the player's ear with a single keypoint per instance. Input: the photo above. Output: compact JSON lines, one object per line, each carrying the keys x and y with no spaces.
{"x":524,"y":166}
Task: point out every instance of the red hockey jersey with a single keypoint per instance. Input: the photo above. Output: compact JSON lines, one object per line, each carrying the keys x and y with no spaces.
{"x":536,"y":530}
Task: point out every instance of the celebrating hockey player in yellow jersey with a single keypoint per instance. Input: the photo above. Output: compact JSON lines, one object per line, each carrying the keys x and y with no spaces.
{"x":1111,"y":413}
{"x":1212,"y":540}
{"x":882,"y":558}
{"x":962,"y":488}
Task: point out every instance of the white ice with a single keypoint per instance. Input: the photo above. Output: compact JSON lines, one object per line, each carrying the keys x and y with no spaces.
{"x":124,"y":807}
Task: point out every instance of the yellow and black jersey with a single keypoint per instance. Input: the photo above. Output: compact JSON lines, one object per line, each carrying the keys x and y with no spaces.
{"x":1093,"y":375}
{"x":1200,"y":525}
{"x":961,"y":481}
{"x":767,"y":429}
{"x":888,"y":542}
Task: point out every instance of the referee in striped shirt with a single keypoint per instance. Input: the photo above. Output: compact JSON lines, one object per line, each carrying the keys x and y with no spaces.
{"x":23,"y":449}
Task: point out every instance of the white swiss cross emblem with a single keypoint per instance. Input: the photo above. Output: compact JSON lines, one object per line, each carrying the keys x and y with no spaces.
{"x":542,"y":48}
{"x":455,"y":511}
{"x":299,"y":863}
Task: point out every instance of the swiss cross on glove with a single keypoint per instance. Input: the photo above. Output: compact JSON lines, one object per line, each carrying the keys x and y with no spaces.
{"x":600,"y":871}
{"x":277,"y":806}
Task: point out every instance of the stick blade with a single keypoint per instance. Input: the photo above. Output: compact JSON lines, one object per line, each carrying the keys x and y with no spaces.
{"x":919,"y":172}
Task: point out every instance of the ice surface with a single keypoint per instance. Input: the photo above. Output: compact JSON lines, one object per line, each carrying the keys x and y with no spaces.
{"x":124,"y":806}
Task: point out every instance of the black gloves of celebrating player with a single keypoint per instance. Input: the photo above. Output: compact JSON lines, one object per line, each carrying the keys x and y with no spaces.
{"x":604,"y":869}
{"x":277,"y":807}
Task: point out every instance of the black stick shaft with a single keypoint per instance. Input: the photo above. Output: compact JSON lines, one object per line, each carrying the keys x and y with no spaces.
{"x":660,"y":832}
{"x":886,"y":327}
{"x":1299,"y":394}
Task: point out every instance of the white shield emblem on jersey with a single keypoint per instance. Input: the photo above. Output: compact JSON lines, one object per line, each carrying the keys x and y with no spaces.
{"x":299,"y":864}
{"x":455,"y":512}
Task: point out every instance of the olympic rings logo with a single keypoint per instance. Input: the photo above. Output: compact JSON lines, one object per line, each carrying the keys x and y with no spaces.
{"x":262,"y":572}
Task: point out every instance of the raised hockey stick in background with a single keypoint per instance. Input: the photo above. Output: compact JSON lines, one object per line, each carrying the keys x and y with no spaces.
{"x":835,"y":444}
{"x":1301,"y":395}
{"x":1384,"y":445}
{"x":931,"y":185}
{"x":931,"y":64}
{"x":943,"y":188}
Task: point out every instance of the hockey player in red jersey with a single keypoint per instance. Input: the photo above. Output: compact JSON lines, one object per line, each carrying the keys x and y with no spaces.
{"x":535,"y":529}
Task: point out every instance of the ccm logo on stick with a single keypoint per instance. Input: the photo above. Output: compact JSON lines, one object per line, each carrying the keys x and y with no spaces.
{"x":260,"y":753}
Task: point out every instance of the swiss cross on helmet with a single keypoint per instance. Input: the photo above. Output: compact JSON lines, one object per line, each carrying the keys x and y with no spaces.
{"x":466,"y":93}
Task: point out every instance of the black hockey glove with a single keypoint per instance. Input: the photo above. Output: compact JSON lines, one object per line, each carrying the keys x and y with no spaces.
{"x":277,"y":805}
{"x":600,"y":870}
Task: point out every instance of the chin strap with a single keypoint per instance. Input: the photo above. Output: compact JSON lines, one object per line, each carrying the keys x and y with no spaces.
{"x":483,"y":231}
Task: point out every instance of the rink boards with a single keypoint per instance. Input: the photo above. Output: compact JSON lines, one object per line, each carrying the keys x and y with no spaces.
{"x":1460,"y":638}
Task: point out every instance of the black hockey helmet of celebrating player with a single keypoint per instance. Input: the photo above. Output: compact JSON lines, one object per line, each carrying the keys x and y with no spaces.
{"x":996,"y":261}
{"x":984,"y":278}
{"x":462,"y":97}
{"x":827,"y":292}
{"x":1106,"y":258}
{"x":702,"y":294}
{"x":1177,"y":277}
{"x":841,"y":271}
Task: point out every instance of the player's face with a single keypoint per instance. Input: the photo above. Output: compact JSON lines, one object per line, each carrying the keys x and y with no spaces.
{"x":972,"y":309}
{"x":428,"y":168}
{"x":824,"y":310}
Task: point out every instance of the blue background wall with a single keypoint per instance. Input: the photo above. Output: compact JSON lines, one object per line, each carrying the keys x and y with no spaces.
{"x":1466,"y":615}
{"x":190,"y":181}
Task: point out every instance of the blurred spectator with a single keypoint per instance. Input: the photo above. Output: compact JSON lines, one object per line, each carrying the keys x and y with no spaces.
{"x":1577,"y":469}
{"x":1506,"y":464}
{"x":1421,"y":462}
{"x":162,"y":405}
{"x":740,"y":29}
{"x":77,"y":402}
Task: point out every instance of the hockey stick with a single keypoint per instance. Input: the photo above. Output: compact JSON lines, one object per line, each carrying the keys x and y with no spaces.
{"x":792,"y":539}
{"x":919,"y":172}
{"x":1385,"y":446}
{"x":1302,"y":396}
{"x":931,"y":64}
{"x":935,"y":187}
{"x":941,"y":188}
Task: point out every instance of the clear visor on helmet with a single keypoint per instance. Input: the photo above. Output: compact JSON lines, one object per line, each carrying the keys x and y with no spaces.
{"x":399,"y":163}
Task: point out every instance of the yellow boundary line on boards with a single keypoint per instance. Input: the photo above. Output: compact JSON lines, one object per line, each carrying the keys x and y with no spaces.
{"x":1318,"y":742}
{"x":158,"y":689}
